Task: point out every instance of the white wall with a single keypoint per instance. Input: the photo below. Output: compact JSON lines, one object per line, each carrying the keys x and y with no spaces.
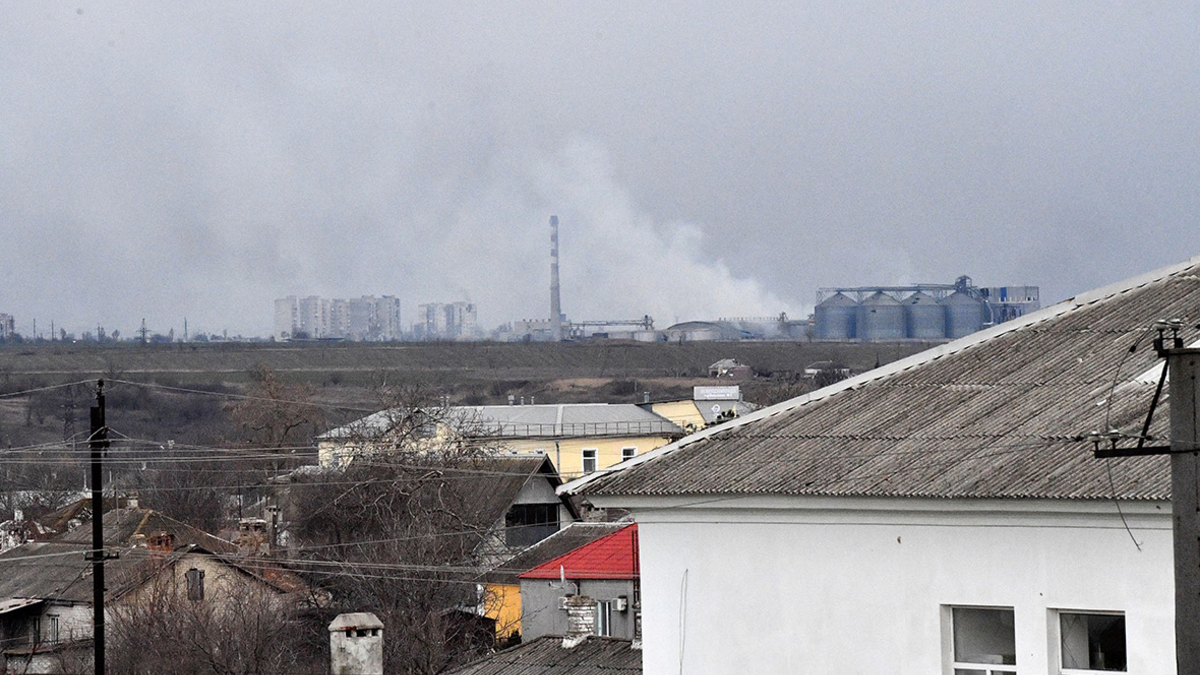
{"x":857,"y":586}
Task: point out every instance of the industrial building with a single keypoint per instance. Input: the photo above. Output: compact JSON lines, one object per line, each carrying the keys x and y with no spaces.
{"x":929,"y":312}
{"x":358,"y":319}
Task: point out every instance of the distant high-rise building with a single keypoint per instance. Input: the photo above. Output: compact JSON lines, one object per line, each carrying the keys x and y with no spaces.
{"x":8,"y":326}
{"x":447,"y":321}
{"x":358,"y":319}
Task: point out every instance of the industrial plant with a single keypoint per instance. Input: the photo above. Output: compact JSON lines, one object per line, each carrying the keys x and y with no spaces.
{"x":929,"y":312}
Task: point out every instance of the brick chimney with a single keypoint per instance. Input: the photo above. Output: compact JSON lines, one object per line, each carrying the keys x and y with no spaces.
{"x":581,"y":619}
{"x":163,"y":541}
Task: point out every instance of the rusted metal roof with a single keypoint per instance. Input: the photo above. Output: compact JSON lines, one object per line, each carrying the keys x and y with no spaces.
{"x":998,"y":414}
{"x":547,"y":656}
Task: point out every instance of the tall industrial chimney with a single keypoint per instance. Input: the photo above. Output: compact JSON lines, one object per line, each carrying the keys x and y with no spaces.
{"x":555,"y":302}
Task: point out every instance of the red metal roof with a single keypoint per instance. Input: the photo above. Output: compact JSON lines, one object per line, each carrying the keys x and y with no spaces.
{"x":612,"y":557}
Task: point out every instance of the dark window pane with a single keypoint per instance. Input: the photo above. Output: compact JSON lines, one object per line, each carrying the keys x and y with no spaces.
{"x":984,"y":636}
{"x":1093,"y":641}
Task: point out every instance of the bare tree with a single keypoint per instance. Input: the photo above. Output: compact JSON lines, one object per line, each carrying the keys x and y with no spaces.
{"x":242,"y":630}
{"x":275,"y":413}
{"x":404,"y":535}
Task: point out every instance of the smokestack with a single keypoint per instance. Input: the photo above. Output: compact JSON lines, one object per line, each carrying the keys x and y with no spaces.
{"x":555,"y":302}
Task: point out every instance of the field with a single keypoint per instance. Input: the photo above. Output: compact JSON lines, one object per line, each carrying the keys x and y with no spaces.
{"x":352,"y":375}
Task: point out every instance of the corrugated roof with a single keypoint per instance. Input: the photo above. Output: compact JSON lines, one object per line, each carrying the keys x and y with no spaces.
{"x":546,"y":656}
{"x":614,"y":556}
{"x":565,"y":540}
{"x":996,"y":414}
{"x":57,"y":570}
{"x":529,"y":421}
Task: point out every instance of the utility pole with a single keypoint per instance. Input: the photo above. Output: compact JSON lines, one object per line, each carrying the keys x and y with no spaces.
{"x":1184,"y":366}
{"x":98,"y":442}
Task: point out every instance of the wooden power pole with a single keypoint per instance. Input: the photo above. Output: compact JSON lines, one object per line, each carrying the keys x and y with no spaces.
{"x":98,"y":442}
{"x":1184,"y":368}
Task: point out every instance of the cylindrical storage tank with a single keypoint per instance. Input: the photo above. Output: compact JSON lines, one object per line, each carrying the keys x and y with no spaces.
{"x":964,"y":314}
{"x":835,"y":317}
{"x":648,"y":336}
{"x":926,"y":319}
{"x":880,"y":317}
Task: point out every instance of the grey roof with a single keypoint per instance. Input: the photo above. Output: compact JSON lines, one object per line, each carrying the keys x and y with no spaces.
{"x":564,"y":541}
{"x":529,"y":421}
{"x":546,"y":656}
{"x":997,"y":414}
{"x":56,"y":569}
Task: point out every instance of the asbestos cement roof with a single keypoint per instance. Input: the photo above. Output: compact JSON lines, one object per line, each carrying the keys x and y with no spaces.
{"x":998,"y":414}
{"x":546,"y":656}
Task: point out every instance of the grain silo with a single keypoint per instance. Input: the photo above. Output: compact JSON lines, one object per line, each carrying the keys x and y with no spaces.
{"x":964,"y":314}
{"x":925,"y":318}
{"x":835,"y":317}
{"x":880,"y":317}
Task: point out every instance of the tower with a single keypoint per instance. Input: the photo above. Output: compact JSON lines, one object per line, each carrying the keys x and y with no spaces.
{"x":555,"y":301}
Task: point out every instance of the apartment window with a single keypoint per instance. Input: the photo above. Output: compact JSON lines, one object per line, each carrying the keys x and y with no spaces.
{"x":1092,"y":643}
{"x":195,"y":584}
{"x":984,"y":640}
{"x":604,"y":619}
{"x":628,"y":453}
{"x":589,"y":460}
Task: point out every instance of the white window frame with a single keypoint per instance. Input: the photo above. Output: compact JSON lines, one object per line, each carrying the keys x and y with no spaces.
{"x":603,"y":618}
{"x":595,"y":459}
{"x":953,"y":666}
{"x":1054,"y":623}
{"x":628,"y":452}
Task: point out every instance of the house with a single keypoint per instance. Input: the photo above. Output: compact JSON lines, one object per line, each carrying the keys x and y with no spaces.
{"x":502,"y":503}
{"x":547,"y":656}
{"x":729,"y":369}
{"x":708,"y":405}
{"x":46,"y":586}
{"x":605,"y":571}
{"x":503,"y":585}
{"x":578,"y":437}
{"x":941,"y":514}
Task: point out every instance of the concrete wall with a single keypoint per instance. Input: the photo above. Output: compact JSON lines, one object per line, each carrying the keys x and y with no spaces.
{"x":540,"y":613}
{"x":860,"y":586}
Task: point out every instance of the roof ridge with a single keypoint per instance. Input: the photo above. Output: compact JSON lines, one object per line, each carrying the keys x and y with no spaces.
{"x":1073,"y":303}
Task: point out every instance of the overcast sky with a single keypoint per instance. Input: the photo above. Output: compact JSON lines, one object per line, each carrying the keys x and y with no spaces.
{"x":199,"y":159}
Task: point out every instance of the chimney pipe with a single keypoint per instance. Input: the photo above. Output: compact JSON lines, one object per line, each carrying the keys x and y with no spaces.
{"x":555,"y":301}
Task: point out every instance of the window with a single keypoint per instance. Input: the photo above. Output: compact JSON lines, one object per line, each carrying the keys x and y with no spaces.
{"x":984,"y":640}
{"x":589,"y":460}
{"x":527,"y":524}
{"x":195,"y":584}
{"x":51,"y":635}
{"x":628,"y":453}
{"x":1092,"y":642}
{"x":604,"y":619}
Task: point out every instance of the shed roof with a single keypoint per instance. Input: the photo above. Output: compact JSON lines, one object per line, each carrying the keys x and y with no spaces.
{"x":998,"y":414}
{"x":614,"y":556}
{"x":546,"y":656}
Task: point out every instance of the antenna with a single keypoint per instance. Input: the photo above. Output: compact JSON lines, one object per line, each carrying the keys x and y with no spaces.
{"x":555,"y":301}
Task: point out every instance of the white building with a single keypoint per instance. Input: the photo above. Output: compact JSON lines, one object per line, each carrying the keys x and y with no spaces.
{"x":360,"y":319}
{"x":8,"y":326}
{"x":447,"y":321}
{"x":936,"y":515}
